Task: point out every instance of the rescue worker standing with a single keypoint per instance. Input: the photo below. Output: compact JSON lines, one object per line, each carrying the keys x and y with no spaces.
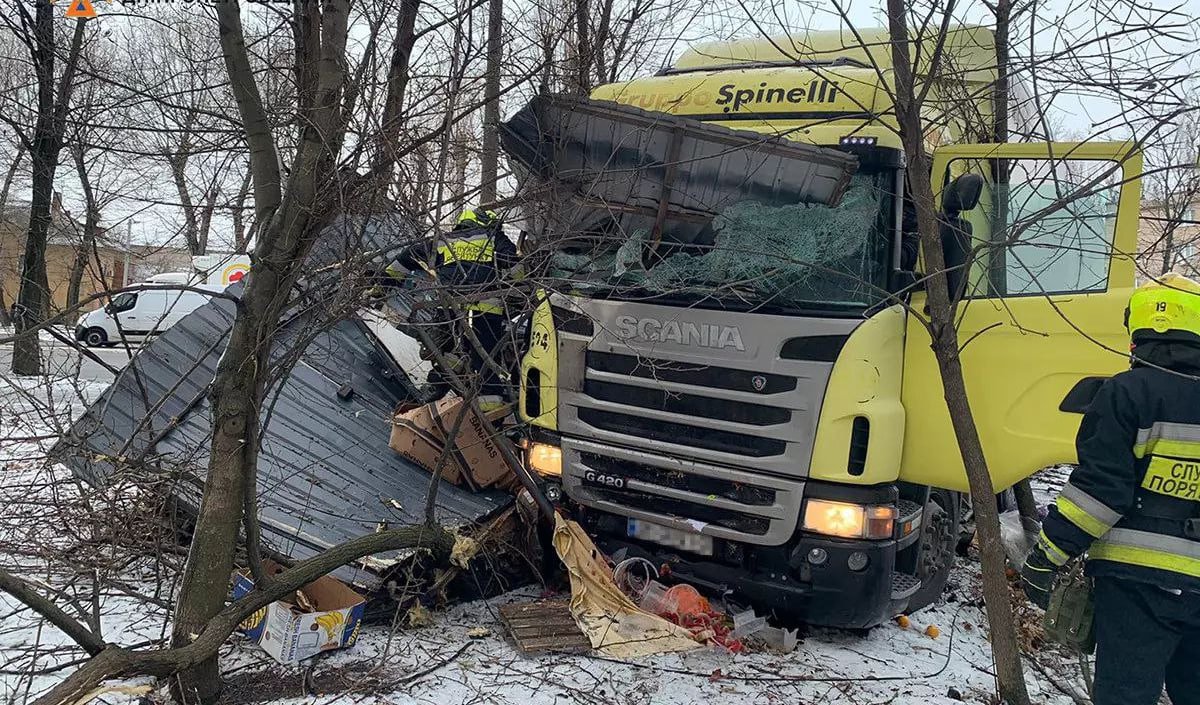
{"x":1133,"y":505}
{"x":470,"y":261}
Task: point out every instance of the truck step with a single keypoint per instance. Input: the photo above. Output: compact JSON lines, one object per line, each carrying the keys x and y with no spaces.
{"x":904,"y":585}
{"x":908,"y":510}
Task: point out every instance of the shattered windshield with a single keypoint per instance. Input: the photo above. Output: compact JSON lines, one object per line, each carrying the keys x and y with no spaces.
{"x":790,"y":256}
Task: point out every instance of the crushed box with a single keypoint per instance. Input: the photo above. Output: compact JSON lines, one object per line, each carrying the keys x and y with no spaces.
{"x":475,"y":459}
{"x":321,"y":616}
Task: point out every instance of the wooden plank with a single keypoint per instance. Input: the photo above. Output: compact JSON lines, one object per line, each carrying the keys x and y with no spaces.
{"x":541,"y":627}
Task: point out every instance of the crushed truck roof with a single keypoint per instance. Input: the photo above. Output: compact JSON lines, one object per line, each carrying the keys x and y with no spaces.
{"x":600,"y":162}
{"x":325,"y":471}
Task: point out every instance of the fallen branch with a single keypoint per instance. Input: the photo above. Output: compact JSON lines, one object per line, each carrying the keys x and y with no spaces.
{"x":25,"y":593}
{"x":112,"y":661}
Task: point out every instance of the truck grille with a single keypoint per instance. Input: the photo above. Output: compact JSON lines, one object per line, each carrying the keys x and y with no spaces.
{"x":722,"y":502}
{"x":687,"y":404}
{"x":685,"y":373}
{"x":669,"y":432}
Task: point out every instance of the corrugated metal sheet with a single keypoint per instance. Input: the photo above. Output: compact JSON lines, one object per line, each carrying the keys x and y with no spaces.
{"x":602,"y":164}
{"x":326,"y":473}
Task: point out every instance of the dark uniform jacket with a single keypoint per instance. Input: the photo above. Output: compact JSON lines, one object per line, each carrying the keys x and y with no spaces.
{"x":1133,"y":504}
{"x":472,"y":255}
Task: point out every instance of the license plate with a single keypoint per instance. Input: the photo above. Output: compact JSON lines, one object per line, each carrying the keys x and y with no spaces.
{"x":667,"y":536}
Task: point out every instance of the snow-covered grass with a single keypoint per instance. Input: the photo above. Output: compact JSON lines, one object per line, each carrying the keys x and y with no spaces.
{"x":49,"y":520}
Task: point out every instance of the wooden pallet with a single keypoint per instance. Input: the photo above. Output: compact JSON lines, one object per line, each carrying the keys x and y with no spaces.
{"x":543,"y":627}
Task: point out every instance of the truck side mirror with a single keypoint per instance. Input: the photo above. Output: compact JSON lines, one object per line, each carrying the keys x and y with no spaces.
{"x":962,"y":194}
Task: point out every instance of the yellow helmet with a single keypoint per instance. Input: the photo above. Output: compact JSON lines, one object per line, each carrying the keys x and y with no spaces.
{"x":1166,"y":305}
{"x":482,"y":218}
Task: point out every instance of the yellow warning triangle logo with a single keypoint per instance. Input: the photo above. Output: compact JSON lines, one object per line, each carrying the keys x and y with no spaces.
{"x":81,"y":8}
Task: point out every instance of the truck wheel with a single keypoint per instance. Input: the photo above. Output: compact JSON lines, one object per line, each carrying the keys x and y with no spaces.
{"x":935,"y":557}
{"x":95,"y":337}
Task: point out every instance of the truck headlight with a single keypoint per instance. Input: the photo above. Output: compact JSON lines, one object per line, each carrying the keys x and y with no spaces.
{"x":545,"y":459}
{"x":852,"y":521}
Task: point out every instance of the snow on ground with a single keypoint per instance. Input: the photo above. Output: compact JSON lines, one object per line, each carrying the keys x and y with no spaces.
{"x":442,"y":663}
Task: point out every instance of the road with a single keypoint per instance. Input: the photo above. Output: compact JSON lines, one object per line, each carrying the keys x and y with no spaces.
{"x":63,"y":360}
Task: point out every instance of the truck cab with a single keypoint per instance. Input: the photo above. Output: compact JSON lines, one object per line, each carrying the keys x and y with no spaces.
{"x":779,"y":431}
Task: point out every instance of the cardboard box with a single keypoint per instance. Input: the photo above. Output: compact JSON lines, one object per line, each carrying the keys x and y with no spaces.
{"x":417,"y":437}
{"x":323,"y":615}
{"x":475,"y":450}
{"x":420,"y":435}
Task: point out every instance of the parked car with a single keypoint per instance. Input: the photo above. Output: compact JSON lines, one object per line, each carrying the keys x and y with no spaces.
{"x":134,"y":315}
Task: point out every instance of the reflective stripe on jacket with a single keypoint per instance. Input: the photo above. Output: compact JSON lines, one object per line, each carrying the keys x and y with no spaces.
{"x":1133,"y":504}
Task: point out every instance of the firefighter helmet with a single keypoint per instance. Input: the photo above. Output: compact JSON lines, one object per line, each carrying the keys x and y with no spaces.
{"x":480,"y":218}
{"x":1164,"y":306}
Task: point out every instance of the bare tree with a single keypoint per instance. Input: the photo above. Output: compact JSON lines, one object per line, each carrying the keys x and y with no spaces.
{"x":53,"y":103}
{"x":1169,"y":221}
{"x":946,"y":347}
{"x":490,"y":150}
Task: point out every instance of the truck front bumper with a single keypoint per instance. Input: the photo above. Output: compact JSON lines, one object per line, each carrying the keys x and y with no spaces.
{"x":809,"y":580}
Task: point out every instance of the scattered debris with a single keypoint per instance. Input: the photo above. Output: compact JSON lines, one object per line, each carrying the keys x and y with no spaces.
{"x":779,"y":639}
{"x":463,"y":551}
{"x":612,"y":622}
{"x":543,"y":627}
{"x":321,"y":616}
{"x":418,"y":616}
{"x":479,"y":633}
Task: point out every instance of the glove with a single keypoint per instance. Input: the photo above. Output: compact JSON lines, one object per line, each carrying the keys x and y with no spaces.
{"x":1037,"y":577}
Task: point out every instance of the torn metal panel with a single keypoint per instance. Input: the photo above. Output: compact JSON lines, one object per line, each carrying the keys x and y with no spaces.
{"x":325,"y":472}
{"x":602,"y":164}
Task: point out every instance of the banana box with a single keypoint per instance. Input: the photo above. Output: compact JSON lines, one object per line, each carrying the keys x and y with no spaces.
{"x":321,"y":616}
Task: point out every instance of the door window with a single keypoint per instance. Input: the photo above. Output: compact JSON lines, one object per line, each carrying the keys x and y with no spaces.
{"x":122,"y":302}
{"x":1043,"y":226}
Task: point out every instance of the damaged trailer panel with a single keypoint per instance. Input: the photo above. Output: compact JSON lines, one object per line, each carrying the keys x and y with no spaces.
{"x":603,"y":164}
{"x":325,"y":471}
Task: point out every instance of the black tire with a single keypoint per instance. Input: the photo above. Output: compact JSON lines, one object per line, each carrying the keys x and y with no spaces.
{"x":95,"y":338}
{"x":939,"y":538}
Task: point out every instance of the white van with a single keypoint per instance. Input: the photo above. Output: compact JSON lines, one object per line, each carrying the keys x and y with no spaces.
{"x":138,"y":314}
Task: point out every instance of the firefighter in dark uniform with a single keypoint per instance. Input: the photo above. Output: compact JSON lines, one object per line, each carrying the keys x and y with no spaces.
{"x":1133,"y":506}
{"x":471,"y":260}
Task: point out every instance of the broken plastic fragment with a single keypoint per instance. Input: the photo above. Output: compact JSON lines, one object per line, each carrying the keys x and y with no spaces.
{"x":463,"y":551}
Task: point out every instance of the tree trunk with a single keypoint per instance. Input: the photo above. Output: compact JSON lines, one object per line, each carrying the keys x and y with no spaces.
{"x":33,"y":298}
{"x":397,"y":85}
{"x":191,"y":227}
{"x":997,"y":264}
{"x":583,"y":48}
{"x":241,"y":234}
{"x":1026,"y":504}
{"x":288,"y":227}
{"x":1003,"y":634}
{"x":489,"y":158}
{"x":91,"y":222}
{"x":206,"y":216}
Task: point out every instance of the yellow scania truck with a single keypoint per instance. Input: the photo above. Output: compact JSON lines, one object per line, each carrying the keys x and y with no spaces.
{"x":785,"y":439}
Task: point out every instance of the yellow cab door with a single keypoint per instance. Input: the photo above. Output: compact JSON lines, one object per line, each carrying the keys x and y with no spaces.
{"x":1041,"y":321}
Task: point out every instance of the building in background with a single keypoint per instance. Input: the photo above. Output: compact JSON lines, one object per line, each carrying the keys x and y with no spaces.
{"x":104,"y":269}
{"x":1169,"y":239}
{"x":111,"y":265}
